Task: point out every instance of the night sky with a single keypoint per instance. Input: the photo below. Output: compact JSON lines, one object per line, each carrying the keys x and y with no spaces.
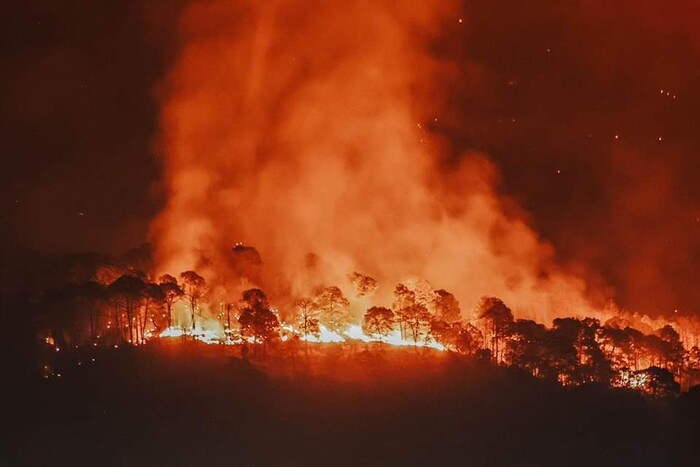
{"x":589,"y":109}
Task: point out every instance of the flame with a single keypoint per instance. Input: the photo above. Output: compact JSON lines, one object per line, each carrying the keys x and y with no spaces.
{"x":326,"y":336}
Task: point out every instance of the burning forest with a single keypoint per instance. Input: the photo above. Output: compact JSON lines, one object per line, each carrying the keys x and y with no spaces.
{"x":408,"y":205}
{"x":128,"y":309}
{"x":314,"y":135}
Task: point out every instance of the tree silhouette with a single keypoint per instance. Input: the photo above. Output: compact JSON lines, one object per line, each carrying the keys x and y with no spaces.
{"x":172,"y":292}
{"x":672,"y":352}
{"x":92,"y":294}
{"x":657,"y":382}
{"x":379,"y":321}
{"x":527,"y":347}
{"x":498,"y":318}
{"x":411,"y":313}
{"x":194,"y":287}
{"x":469,"y":340}
{"x":129,"y":292}
{"x":307,"y":318}
{"x":334,"y":308}
{"x":257,"y":319}
{"x":153,"y":298}
{"x":575,"y":352}
{"x":416,"y":320}
{"x":404,"y":298}
{"x":446,"y":306}
{"x":364,"y":285}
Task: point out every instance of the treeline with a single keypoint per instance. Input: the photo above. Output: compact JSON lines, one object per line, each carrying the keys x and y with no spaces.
{"x":572,"y":351}
{"x":118,"y":304}
{"x":127,"y":310}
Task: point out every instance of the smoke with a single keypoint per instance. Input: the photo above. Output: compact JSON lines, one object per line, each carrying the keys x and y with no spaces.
{"x":303,"y":130}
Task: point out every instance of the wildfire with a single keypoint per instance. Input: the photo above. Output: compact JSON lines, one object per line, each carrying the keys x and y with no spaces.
{"x":325,"y":336}
{"x":355,"y":333}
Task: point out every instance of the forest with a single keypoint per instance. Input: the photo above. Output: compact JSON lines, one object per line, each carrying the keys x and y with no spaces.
{"x":104,"y":302}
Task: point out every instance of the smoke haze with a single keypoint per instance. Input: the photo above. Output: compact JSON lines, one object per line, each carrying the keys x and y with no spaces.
{"x":306,"y":133}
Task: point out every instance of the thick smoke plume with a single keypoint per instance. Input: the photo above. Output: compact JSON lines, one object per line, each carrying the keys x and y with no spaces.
{"x":301,"y":128}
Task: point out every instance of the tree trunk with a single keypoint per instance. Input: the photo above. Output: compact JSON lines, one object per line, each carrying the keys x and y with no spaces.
{"x":192,"y":305}
{"x":130,"y":318}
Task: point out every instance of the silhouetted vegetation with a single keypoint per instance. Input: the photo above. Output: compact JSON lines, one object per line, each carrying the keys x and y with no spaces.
{"x":107,"y":303}
{"x":498,"y":380}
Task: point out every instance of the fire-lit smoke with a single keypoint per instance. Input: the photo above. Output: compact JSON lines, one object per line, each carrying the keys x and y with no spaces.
{"x":301,"y":128}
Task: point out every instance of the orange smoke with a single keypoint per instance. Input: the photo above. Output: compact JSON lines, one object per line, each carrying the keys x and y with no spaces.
{"x":300,"y":128}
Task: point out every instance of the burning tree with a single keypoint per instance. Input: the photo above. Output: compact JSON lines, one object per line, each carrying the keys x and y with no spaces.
{"x":416,"y":319}
{"x":334,"y":308}
{"x":672,"y":350}
{"x":172,"y":292}
{"x":445,"y":325}
{"x":153,"y":297}
{"x":403,"y":299}
{"x":194,"y":287}
{"x":498,"y":318}
{"x":307,"y":318}
{"x":574,"y":351}
{"x":470,"y":340}
{"x":128,"y":292}
{"x":527,"y":347}
{"x":379,"y":321}
{"x":364,"y":285}
{"x":446,"y":306}
{"x":257,"y":319}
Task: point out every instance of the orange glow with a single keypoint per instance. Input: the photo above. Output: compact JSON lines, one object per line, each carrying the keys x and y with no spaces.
{"x":303,"y":132}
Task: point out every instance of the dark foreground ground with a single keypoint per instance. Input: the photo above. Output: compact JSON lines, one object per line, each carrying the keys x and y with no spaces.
{"x":196,"y":405}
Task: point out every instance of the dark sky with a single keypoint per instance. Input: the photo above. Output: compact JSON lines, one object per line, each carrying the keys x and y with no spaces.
{"x":565,"y":96}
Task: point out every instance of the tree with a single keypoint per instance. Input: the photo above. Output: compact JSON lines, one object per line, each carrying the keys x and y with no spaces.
{"x":498,"y":318}
{"x":445,"y":333}
{"x":412,"y":315}
{"x":129,"y":292}
{"x":379,"y":321}
{"x":254,"y":298}
{"x":307,"y":318}
{"x":657,"y":382}
{"x":257,"y":319}
{"x":469,"y":340}
{"x":172,"y":292}
{"x":194,"y":287}
{"x":364,"y":285}
{"x":416,"y":319}
{"x":574,"y":351}
{"x":246,"y":263}
{"x":673,"y":352}
{"x":91,"y":295}
{"x":692,"y":365}
{"x":403,"y":299}
{"x":62,"y":316}
{"x":446,"y":306}
{"x":153,"y":297}
{"x":334,"y":308}
{"x":527,"y":347}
